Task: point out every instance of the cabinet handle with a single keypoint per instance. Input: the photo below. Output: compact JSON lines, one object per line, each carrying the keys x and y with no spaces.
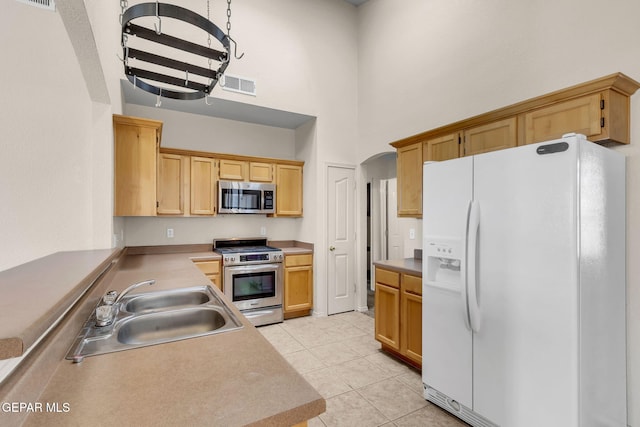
{"x":332,"y":248}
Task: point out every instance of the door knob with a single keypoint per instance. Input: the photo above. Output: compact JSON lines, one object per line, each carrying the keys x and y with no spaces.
{"x":332,"y":248}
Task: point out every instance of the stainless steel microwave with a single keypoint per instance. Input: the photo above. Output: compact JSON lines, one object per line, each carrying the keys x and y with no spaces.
{"x":246,"y":197}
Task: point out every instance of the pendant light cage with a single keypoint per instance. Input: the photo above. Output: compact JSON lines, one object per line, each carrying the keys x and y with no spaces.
{"x":188,"y":72}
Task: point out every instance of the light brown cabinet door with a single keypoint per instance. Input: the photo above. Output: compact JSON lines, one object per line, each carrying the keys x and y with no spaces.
{"x":387,"y":316}
{"x":409,"y":171}
{"x":490,"y":137}
{"x":135,"y":175}
{"x":260,"y":172}
{"x":580,"y":115}
{"x":288,"y":190}
{"x":411,"y":326}
{"x":203,"y":186}
{"x":170,"y":184}
{"x":443,"y":148}
{"x":234,"y":170}
{"x":298,"y":288}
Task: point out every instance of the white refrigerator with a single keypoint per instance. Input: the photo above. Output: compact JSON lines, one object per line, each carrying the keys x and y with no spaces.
{"x":524,"y":286}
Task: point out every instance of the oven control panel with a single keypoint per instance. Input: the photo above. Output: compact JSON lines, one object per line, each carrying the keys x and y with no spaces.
{"x":252,"y":258}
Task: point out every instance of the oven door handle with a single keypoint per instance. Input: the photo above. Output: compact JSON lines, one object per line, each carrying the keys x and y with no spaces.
{"x":253,"y":268}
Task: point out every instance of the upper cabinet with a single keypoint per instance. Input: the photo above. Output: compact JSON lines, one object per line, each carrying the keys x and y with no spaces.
{"x":261,"y":172}
{"x":598,"y":109}
{"x":136,"y":142}
{"x":203,"y":186}
{"x":234,"y":170}
{"x":409,"y":167}
{"x":490,"y":137}
{"x":289,"y":190}
{"x":602,"y":116}
{"x":241,"y":170}
{"x":171,"y":182}
{"x":151,"y":181}
{"x":441,"y":148}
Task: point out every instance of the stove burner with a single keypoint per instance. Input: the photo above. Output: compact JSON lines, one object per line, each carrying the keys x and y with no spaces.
{"x":247,"y":251}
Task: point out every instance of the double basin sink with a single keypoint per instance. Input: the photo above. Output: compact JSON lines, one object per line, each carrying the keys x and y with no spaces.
{"x":154,"y":318}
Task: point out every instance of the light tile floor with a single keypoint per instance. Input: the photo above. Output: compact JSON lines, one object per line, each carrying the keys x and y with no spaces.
{"x":363,"y":385}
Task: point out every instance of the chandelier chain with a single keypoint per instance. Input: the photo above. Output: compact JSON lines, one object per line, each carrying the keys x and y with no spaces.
{"x":229,"y":18}
{"x":208,"y":19}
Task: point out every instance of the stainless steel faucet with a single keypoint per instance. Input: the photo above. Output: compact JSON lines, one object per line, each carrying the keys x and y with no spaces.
{"x":132,"y":287}
{"x":108,"y":309}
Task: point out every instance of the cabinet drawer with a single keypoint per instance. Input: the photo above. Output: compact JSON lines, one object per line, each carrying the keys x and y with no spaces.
{"x":208,"y":267}
{"x":295,"y":260}
{"x":412,"y":284}
{"x":387,"y":277}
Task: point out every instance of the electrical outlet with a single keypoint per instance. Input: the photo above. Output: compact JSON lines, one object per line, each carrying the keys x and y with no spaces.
{"x":170,"y":233}
{"x":263,"y":231}
{"x":412,"y":234}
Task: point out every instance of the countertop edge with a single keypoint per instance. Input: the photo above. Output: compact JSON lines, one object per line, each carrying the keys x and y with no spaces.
{"x":411,"y":266}
{"x":16,"y":346}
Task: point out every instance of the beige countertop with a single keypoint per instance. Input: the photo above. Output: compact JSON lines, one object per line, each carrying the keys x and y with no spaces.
{"x":296,"y":251}
{"x":36,"y":294}
{"x":234,"y":378}
{"x":407,"y":265}
{"x":293,"y":247}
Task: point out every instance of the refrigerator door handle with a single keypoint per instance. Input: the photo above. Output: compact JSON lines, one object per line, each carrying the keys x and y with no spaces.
{"x":472,"y":265}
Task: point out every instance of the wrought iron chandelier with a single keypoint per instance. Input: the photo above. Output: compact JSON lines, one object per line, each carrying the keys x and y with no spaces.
{"x":177,"y":75}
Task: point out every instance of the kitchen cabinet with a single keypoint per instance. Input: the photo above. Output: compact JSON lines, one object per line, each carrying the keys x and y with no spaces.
{"x":136,"y":142}
{"x":409,"y":169}
{"x":234,"y":170}
{"x":203,"y":186}
{"x":599,"y":116}
{"x":398,"y":314}
{"x":298,"y":285}
{"x":387,"y":308}
{"x":260,"y":172}
{"x":211,"y":269}
{"x":492,"y":136}
{"x":288,"y":190}
{"x":240,"y":170}
{"x":411,"y":317}
{"x":286,"y":174}
{"x":171,"y":177}
{"x":442,"y":148}
{"x":599,"y":108}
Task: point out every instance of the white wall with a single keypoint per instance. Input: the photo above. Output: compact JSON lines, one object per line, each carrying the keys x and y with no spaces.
{"x":454,"y":59}
{"x":302,"y":54}
{"x":211,"y":134}
{"x":55,"y":167}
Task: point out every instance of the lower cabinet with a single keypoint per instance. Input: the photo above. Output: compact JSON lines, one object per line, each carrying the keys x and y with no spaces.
{"x":387,"y":308}
{"x":398,"y":314}
{"x":211,"y":269}
{"x":298,"y":285}
{"x":411,"y":318}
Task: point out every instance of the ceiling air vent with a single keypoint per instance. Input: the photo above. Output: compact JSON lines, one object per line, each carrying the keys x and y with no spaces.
{"x":43,"y":4}
{"x":239,"y":84}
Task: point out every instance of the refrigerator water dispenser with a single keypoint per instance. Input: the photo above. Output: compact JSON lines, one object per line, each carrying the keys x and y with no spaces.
{"x":444,"y":258}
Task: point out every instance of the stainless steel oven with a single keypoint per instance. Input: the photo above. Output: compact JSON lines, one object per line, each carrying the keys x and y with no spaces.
{"x":253,"y":278}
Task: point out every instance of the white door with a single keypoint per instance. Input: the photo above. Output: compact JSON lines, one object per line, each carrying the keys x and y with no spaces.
{"x":341,"y":237}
